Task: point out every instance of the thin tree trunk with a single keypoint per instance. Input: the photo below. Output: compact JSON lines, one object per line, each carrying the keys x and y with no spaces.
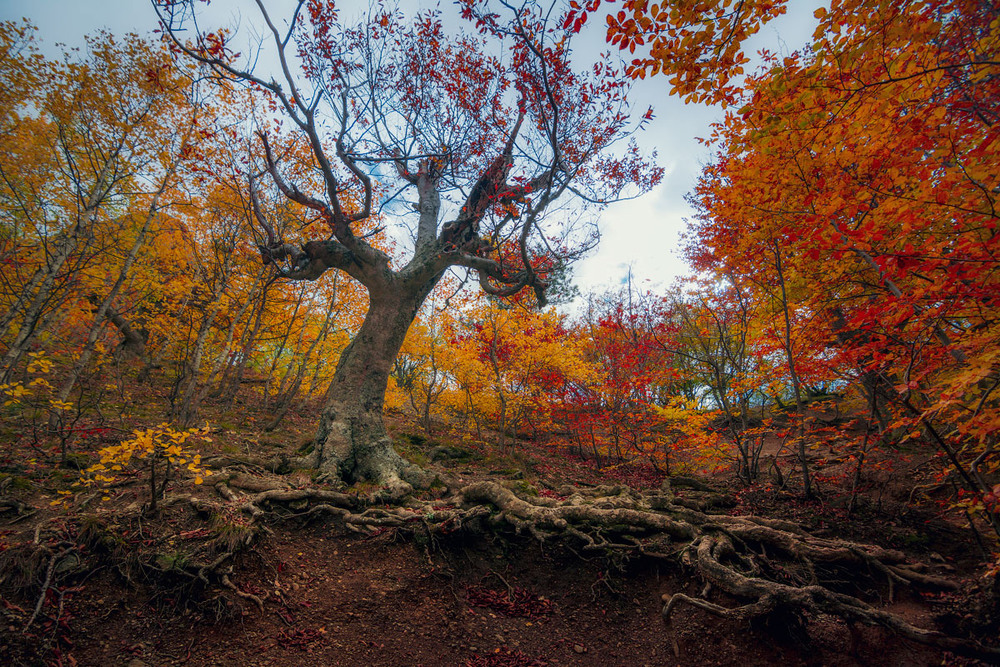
{"x":284,"y":343}
{"x":472,"y":412}
{"x":249,"y":340}
{"x":156,"y":361}
{"x":186,"y":410}
{"x":31,"y":288}
{"x":285,"y":400}
{"x":102,"y":310}
{"x":220,"y":358}
{"x":856,"y":480}
{"x":796,"y":385}
{"x":314,"y":380}
{"x":64,"y":248}
{"x":283,"y":384}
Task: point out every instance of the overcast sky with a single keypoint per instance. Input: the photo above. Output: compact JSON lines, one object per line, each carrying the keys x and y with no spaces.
{"x":642,"y":234}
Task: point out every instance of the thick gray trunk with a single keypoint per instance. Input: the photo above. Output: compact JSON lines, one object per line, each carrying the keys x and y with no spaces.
{"x":352,"y":443}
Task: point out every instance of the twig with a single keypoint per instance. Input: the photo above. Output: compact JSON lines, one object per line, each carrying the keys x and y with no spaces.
{"x":246,"y":596}
{"x":49,"y":571}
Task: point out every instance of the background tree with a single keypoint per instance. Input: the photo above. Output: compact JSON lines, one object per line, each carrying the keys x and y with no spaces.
{"x":95,"y":135}
{"x":871,"y":162}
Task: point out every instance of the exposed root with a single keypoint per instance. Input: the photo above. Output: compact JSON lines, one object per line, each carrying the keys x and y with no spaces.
{"x":762,"y":607}
{"x":242,"y":594}
{"x":14,"y":504}
{"x":767,"y":566}
{"x":773,"y":565}
{"x":209,"y":568}
{"x":255,"y":484}
{"x":66,"y":548}
{"x":7,"y":502}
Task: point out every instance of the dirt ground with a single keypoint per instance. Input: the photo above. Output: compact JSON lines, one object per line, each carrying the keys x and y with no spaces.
{"x":337,"y":599}
{"x":334,"y":597}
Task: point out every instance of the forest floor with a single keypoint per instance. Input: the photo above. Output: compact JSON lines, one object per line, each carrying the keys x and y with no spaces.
{"x":335,"y":597}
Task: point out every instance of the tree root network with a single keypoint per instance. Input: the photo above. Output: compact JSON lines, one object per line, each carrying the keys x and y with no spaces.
{"x":772,"y":565}
{"x":773,"y":568}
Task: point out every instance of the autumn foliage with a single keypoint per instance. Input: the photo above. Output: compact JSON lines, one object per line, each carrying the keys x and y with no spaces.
{"x":331,"y":281}
{"x":845,"y":244}
{"x":854,"y":191}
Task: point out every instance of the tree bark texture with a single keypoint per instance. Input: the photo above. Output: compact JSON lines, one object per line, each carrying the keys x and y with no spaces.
{"x":351,"y":442}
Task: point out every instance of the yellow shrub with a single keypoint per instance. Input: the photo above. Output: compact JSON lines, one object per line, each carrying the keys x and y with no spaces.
{"x":160,"y":444}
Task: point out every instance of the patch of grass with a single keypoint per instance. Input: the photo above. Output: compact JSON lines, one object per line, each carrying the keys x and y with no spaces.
{"x":414,"y":439}
{"x":172,"y":561}
{"x":98,"y":536}
{"x":521,"y":487}
{"x":16,"y":483}
{"x":412,"y":453}
{"x":59,"y":479}
{"x":912,"y":539}
{"x":274,"y":444}
{"x":76,"y":461}
{"x":362,"y":489}
{"x":233,"y":533}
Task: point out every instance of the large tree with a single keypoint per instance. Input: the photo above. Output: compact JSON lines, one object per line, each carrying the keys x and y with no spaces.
{"x":469,"y":142}
{"x":495,"y":140}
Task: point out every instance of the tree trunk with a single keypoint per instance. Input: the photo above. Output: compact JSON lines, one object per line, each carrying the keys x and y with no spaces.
{"x":352,"y":443}
{"x":46,"y":281}
{"x":800,"y":415}
{"x":297,"y":354}
{"x":223,"y":356}
{"x":475,"y":417}
{"x":134,"y":340}
{"x":187,"y":409}
{"x":34,"y":313}
{"x":156,"y":360}
{"x":285,"y":399}
{"x":247,"y":342}
{"x":102,"y":310}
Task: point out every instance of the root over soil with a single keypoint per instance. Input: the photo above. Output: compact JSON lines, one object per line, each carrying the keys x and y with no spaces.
{"x":750,"y":568}
{"x":773,"y":567}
